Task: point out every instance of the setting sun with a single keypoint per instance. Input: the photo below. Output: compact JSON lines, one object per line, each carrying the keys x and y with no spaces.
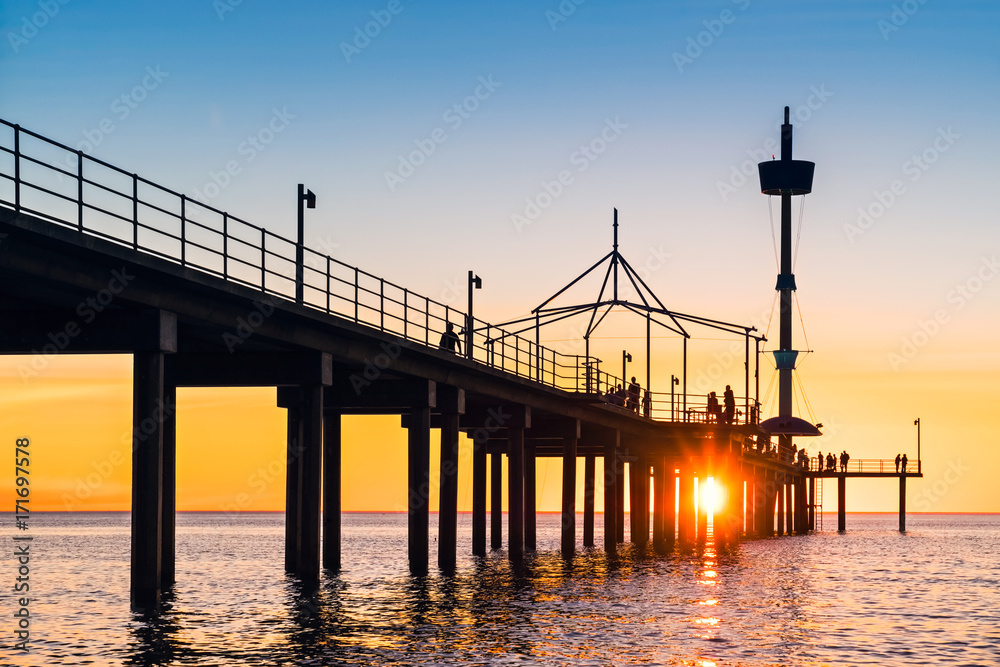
{"x":711,"y":496}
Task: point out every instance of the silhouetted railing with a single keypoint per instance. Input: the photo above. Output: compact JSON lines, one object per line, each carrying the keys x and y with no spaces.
{"x":64,"y":186}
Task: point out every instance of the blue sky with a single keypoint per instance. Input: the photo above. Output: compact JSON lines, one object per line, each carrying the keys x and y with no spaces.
{"x":866,"y":98}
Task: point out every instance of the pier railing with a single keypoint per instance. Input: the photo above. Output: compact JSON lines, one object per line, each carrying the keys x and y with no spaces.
{"x":69,"y":188}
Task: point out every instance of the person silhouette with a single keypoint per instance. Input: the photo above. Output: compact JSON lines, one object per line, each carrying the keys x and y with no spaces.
{"x":712,"y":410}
{"x":729,"y":403}
{"x":831,"y":462}
{"x":902,"y":463}
{"x":819,"y":459}
{"x":633,"y":395}
{"x":450,"y":340}
{"x":897,"y":462}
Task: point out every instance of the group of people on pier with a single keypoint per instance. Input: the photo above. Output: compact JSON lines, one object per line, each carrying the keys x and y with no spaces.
{"x":901,"y":462}
{"x":628,"y":397}
{"x":831,"y":461}
{"x":721,"y":414}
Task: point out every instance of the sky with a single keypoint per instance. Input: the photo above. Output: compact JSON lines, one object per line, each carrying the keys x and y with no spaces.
{"x":442,"y":137}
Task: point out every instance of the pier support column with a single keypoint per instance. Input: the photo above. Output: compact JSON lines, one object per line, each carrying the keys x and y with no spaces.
{"x":659,"y":501}
{"x":293,"y":482}
{"x":771,"y":495}
{"x":902,"y":503}
{"x":530,"y":498}
{"x":169,"y":528}
{"x":570,"y":439}
{"x":589,"y":466}
{"x":670,"y":503}
{"x":789,"y":505}
{"x":515,"y":482}
{"x":612,"y":475}
{"x":644,"y":478}
{"x":812,"y":503}
{"x":331,"y":490}
{"x":618,"y":465}
{"x":685,"y":512}
{"x":779,"y":488}
{"x":448,"y":509}
{"x":479,"y":497}
{"x":801,"y":507}
{"x":496,"y":500}
{"x":147,"y":479}
{"x":702,"y":510}
{"x":633,"y":503}
{"x":419,"y":461}
{"x":841,"y":503}
{"x":310,"y":490}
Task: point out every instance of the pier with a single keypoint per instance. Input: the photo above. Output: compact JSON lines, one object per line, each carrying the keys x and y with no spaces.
{"x":202,"y":298}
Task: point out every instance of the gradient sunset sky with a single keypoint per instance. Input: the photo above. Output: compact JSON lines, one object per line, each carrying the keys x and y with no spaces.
{"x":429,"y":140}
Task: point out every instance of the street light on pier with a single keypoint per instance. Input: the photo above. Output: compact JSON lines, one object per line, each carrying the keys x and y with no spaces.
{"x":307,"y":198}
{"x":916,"y":422}
{"x":674,"y":381}
{"x":626,"y":358}
{"x":475,"y":282}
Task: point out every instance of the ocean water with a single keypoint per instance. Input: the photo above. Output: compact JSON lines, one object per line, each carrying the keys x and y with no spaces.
{"x":868,"y":597}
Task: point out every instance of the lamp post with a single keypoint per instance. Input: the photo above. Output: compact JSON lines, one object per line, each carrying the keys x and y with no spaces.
{"x":475,"y":282}
{"x":626,"y":357}
{"x":916,"y":423}
{"x":674,"y":381}
{"x":308,"y":199}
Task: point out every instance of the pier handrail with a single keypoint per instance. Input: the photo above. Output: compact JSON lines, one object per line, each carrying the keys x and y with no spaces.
{"x":69,"y":188}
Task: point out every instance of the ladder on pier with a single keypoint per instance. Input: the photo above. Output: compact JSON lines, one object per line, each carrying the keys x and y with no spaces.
{"x":818,"y":506}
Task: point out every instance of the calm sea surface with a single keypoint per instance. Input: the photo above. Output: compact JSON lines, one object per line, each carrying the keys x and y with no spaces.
{"x":869,"y":597}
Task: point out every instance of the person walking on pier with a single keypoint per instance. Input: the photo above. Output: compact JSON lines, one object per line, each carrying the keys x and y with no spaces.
{"x":902,"y":463}
{"x":897,"y":462}
{"x":831,"y":462}
{"x":450,"y":340}
{"x":819,"y":460}
{"x":713,"y":409}
{"x":844,"y":458}
{"x":729,"y":403}
{"x":633,"y":395}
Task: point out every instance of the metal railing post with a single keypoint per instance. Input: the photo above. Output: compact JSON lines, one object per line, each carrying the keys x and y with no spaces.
{"x":381,"y":304}
{"x":225,"y":245}
{"x":263,"y":260}
{"x":17,"y":168}
{"x":79,"y":189}
{"x":183,"y":230}
{"x":135,"y":211}
{"x":406,"y":311}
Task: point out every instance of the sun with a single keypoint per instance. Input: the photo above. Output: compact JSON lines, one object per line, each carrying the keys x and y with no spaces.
{"x":711,"y":497}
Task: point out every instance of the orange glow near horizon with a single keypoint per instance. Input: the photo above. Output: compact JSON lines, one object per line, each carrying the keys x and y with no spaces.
{"x":230,"y":449}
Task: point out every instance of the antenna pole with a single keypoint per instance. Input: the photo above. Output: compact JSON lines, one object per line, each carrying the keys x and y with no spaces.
{"x":614,"y":254}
